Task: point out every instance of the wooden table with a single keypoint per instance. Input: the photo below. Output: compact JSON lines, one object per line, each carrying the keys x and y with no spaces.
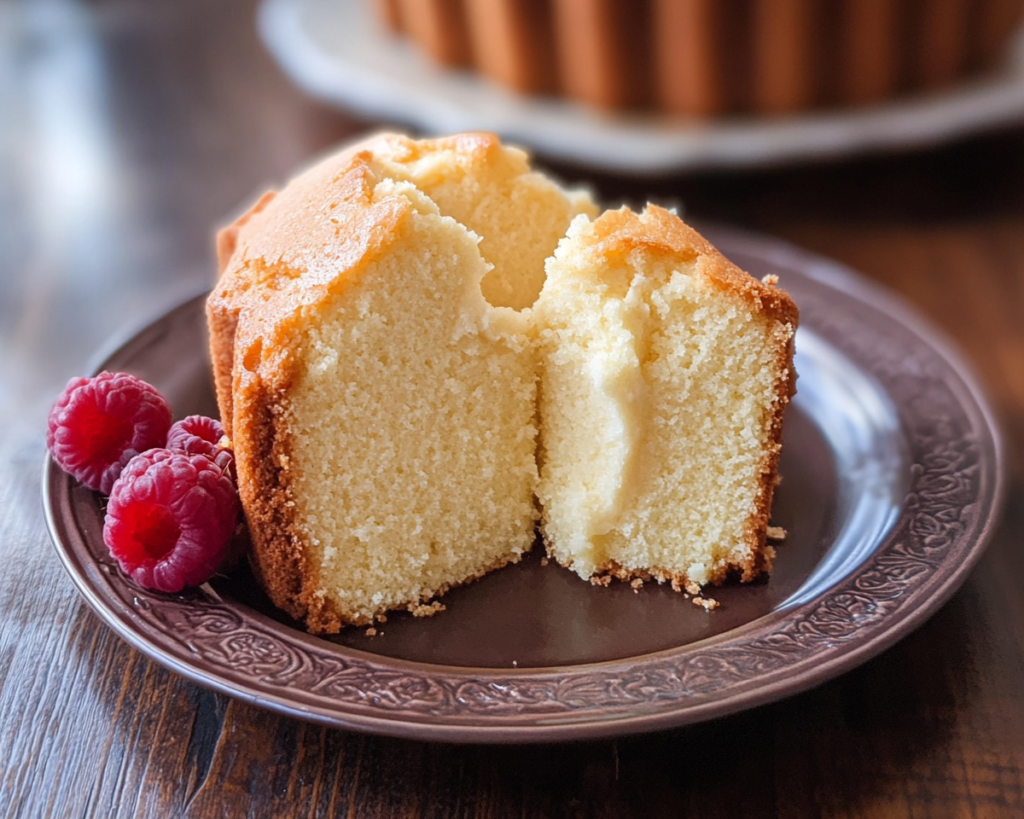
{"x":127,"y":132}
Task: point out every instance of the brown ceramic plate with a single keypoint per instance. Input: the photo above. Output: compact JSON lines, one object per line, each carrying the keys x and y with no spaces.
{"x":892,"y":479}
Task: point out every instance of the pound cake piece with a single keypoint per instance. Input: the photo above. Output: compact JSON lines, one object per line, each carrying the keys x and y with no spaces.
{"x":382,"y":411}
{"x":377,"y":340}
{"x":664,"y":373}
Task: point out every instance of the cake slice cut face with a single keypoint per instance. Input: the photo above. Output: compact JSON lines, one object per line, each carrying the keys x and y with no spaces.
{"x":383,"y":410}
{"x":664,"y":373}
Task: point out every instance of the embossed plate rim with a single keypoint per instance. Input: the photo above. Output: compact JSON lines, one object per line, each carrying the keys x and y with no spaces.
{"x":348,"y":688}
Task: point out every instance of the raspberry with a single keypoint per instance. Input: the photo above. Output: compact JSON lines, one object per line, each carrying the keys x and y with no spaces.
{"x":200,"y":435}
{"x":196,"y":435}
{"x":99,"y":424}
{"x":170,"y":519}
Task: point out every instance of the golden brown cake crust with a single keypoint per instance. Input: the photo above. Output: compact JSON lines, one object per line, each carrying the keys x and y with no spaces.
{"x":616,"y":233}
{"x":761,"y":562}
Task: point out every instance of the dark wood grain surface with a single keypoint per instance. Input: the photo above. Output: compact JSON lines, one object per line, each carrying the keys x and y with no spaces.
{"x":128,"y":131}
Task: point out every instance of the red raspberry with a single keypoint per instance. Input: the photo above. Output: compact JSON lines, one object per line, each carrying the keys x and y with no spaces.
{"x":170,"y":519}
{"x":99,"y":424}
{"x":200,"y":435}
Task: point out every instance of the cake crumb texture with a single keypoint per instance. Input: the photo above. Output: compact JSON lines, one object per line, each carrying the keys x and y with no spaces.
{"x":664,"y":374}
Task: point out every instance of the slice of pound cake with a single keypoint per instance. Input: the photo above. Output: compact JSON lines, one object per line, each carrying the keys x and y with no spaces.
{"x":382,"y":411}
{"x":664,"y":374}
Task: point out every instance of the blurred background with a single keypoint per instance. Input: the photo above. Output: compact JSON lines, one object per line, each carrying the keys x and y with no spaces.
{"x":130,"y":130}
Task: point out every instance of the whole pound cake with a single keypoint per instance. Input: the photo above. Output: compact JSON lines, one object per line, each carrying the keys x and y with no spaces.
{"x":382,"y":411}
{"x":710,"y":58}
